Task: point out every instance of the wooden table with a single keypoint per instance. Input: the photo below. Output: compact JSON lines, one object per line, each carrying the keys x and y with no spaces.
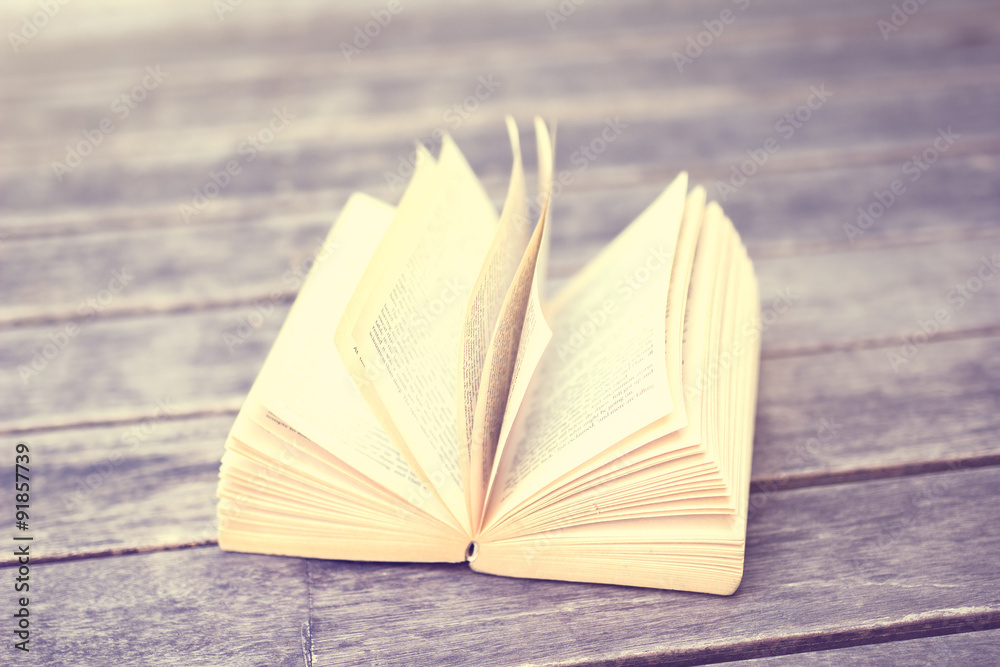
{"x":874,"y":537}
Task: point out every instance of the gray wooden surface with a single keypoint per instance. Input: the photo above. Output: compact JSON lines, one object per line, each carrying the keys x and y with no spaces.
{"x":873,"y":536}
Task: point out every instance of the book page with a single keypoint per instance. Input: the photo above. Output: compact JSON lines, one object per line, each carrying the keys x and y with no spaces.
{"x":408,"y":327}
{"x":646,"y":482}
{"x":640,"y":450}
{"x":300,"y":478}
{"x":304,"y":381}
{"x":277,"y":498}
{"x":535,"y":333}
{"x":671,"y":525}
{"x":604,"y":374}
{"x":492,"y":331}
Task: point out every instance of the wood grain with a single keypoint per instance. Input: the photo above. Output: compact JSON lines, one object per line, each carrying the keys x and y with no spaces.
{"x":821,"y":569}
{"x":874,"y":478}
{"x":185,"y":608}
{"x":881,"y":297}
{"x":316,"y":151}
{"x":149,"y":482}
{"x":432,"y":28}
{"x":748,"y":61}
{"x":827,"y":567}
{"x":783,"y":210}
{"x":206,"y":265}
{"x":975,"y":649}
{"x":194,"y":120}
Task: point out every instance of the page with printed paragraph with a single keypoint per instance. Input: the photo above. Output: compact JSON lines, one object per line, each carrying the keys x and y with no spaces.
{"x":651,"y":519}
{"x":491,"y":332}
{"x":680,"y":452}
{"x":407,"y":334}
{"x":604,"y":374}
{"x":535,"y":331}
{"x":336,"y":465}
{"x":304,"y":380}
{"x":411,"y":213}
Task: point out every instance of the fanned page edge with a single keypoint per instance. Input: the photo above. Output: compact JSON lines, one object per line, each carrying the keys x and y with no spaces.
{"x":644,"y":447}
{"x":535,"y":333}
{"x":248,"y":523}
{"x":439,"y":238}
{"x":654,"y":553}
{"x":552,"y":554}
{"x":519,"y":487}
{"x":512,"y":248}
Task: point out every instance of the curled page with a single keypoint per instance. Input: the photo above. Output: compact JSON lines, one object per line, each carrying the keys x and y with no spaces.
{"x":604,"y":375}
{"x":493,"y":321}
{"x":535,"y":332}
{"x":305,"y":381}
{"x":405,"y":328}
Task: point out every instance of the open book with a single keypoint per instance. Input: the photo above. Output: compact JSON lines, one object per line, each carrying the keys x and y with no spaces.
{"x":424,"y":401}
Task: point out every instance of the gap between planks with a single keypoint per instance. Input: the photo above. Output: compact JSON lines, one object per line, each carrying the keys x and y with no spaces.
{"x":33,"y":225}
{"x":928,"y":624}
{"x":183,"y":306}
{"x":763,"y":486}
{"x":913,"y":626}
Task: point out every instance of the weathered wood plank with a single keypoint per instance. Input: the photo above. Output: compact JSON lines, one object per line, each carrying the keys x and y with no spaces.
{"x":182,"y":359}
{"x":182,"y":608}
{"x":200,"y":265}
{"x":137,"y":486}
{"x":879,"y":296}
{"x":881,"y":565}
{"x":786,"y":211}
{"x":562,"y":64}
{"x":316,"y":151}
{"x":799,"y":200}
{"x":814,"y":578}
{"x":975,"y":649}
{"x":149,"y":483}
{"x":848,"y":413}
{"x":320,"y":27}
{"x":810,"y":303}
